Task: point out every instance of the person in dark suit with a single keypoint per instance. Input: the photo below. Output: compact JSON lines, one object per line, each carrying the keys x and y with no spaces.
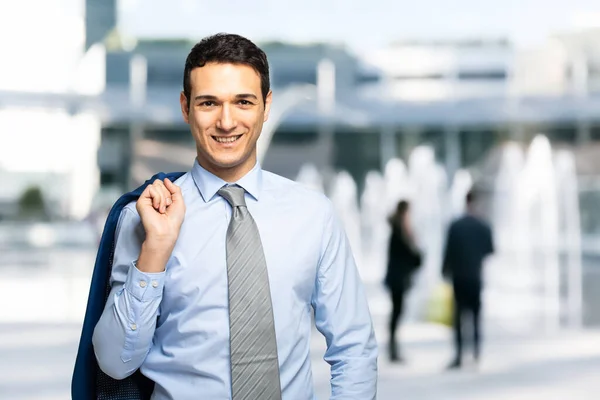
{"x":403,"y":260}
{"x":468,"y":242}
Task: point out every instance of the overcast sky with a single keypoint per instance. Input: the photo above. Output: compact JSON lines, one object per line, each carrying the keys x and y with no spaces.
{"x":359,"y":24}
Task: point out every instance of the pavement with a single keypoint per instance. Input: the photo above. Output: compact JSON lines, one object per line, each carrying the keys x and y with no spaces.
{"x":36,"y":362}
{"x":38,"y":343}
{"x":560,"y":366}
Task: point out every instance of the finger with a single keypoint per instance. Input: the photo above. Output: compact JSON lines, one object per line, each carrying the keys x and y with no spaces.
{"x":145,"y":197}
{"x":155,"y":195}
{"x":159,"y":184}
{"x":158,"y":198}
{"x":163,"y":201}
{"x":146,"y":193}
{"x":154,"y":198}
{"x":166,"y":195}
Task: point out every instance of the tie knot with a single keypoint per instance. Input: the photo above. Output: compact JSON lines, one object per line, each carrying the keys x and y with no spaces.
{"x":234,"y":195}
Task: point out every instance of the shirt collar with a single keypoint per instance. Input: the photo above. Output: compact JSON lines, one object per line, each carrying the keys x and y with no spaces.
{"x":209,"y":184}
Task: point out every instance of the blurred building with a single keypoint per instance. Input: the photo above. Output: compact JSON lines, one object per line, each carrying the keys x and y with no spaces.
{"x":462,"y":97}
{"x":49,"y":140}
{"x":100,"y":20}
{"x":115,"y":100}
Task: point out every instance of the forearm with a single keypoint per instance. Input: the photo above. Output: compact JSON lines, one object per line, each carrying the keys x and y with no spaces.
{"x":354,"y":378}
{"x":352,"y":351}
{"x":154,"y":255}
{"x":124,"y":333}
{"x":342,"y":315}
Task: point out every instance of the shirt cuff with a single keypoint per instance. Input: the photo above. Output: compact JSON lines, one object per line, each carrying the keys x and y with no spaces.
{"x":144,"y":286}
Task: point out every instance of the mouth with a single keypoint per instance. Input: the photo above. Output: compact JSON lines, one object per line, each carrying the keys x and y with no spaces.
{"x":226,"y":139}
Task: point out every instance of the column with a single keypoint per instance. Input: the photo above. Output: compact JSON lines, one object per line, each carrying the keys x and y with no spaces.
{"x":387,"y":145}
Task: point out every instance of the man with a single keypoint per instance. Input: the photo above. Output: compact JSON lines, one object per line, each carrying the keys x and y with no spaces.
{"x":215,"y":275}
{"x":468,"y":242}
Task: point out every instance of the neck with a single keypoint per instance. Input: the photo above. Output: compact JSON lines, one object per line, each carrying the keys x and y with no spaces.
{"x":229,"y":174}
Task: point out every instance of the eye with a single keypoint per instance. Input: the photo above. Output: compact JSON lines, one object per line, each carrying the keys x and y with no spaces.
{"x":244,"y":102}
{"x":208,"y":103}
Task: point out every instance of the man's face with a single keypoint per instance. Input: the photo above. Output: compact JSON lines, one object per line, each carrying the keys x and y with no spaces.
{"x":226,"y":114}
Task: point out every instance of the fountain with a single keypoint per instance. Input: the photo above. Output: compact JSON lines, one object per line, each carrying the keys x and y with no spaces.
{"x":397,"y":184}
{"x":461,"y":184}
{"x":570,"y":229}
{"x":540,"y":197}
{"x":375,"y":228}
{"x":310,"y":177}
{"x":429,"y":219}
{"x":510,"y":278}
{"x":533,"y":208}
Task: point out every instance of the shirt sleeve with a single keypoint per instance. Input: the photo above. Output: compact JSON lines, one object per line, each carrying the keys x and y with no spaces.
{"x":123,"y":335}
{"x":342,"y":315}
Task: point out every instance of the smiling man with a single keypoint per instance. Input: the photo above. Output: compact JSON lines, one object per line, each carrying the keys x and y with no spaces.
{"x":215,"y":276}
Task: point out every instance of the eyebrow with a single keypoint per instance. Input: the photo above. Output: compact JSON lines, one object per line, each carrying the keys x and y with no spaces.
{"x":237,"y":96}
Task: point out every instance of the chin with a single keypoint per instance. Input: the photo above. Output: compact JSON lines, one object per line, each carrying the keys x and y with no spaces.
{"x":227,"y":165}
{"x":228,"y":162}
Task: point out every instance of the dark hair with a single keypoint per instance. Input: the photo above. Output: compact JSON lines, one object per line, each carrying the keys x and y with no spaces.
{"x":470,"y":197}
{"x":401,"y":208}
{"x":224,"y":48}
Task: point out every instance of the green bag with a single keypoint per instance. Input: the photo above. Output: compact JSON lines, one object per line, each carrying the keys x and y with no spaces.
{"x":440,"y":307}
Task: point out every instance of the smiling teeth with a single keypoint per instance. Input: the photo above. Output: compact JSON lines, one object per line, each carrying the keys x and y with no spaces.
{"x":227,"y":139}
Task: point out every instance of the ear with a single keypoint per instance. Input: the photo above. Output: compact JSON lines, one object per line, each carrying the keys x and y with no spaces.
{"x":268,"y":100}
{"x":185,"y":107}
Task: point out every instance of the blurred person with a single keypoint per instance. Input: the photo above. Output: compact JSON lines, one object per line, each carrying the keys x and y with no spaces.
{"x":403,"y":260}
{"x":469,"y":241}
{"x":215,"y":274}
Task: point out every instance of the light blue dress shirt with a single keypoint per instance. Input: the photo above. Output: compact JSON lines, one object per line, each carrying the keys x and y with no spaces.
{"x":186,"y":349}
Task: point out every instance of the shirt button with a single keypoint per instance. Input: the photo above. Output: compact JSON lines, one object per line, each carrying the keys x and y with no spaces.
{"x":133,"y":327}
{"x":154,"y":284}
{"x":143,"y":284}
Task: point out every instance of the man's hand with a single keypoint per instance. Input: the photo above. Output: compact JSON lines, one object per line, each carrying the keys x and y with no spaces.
{"x":161,"y":210}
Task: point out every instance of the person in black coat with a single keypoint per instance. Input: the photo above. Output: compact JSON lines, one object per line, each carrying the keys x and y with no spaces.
{"x":468,"y":242}
{"x":403,"y":260}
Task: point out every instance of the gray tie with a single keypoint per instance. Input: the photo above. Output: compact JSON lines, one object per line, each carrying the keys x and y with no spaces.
{"x":254,"y":363}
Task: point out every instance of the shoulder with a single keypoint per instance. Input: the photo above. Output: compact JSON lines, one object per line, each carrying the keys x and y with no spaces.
{"x":486,"y":226}
{"x":275,"y":184}
{"x":456,"y":222}
{"x":129,"y":216}
{"x":479,"y":221}
{"x":185,"y":183}
{"x":285,"y":191}
{"x":459,"y":224}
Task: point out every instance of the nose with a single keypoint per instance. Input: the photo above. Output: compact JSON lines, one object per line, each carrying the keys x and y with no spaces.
{"x":226,"y":121}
